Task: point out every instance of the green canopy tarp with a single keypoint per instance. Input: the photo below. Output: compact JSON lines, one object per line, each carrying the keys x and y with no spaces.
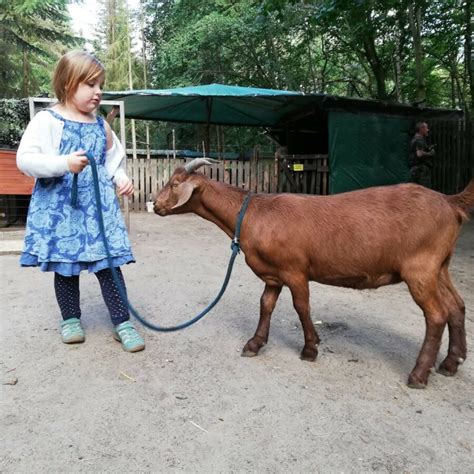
{"x":214,"y":104}
{"x":248,"y":106}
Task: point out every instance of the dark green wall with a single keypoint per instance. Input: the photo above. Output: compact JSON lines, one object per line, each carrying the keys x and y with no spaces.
{"x":367,"y":150}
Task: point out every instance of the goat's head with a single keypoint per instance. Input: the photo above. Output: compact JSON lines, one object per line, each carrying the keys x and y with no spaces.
{"x":174,"y":196}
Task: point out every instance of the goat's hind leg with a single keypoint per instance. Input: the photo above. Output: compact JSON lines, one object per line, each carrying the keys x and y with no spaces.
{"x":457,"y":349}
{"x":427,"y":295}
{"x":300,"y":293}
{"x":267,"y":305}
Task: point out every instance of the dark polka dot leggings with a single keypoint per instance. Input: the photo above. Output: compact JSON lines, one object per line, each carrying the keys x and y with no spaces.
{"x":68,"y":295}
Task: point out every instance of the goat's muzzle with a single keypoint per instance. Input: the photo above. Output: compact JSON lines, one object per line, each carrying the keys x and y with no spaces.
{"x":159,"y":209}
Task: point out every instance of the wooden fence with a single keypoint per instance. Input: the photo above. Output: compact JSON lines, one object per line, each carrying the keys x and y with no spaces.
{"x":150,"y":175}
{"x":307,"y":174}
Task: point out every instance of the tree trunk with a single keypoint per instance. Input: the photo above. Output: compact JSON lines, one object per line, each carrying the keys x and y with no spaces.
{"x":145,"y":80}
{"x":468,"y":54}
{"x":25,"y":74}
{"x":397,"y":68}
{"x":469,"y":64}
{"x":130,"y":85}
{"x":377,"y":67}
{"x":414,"y":18}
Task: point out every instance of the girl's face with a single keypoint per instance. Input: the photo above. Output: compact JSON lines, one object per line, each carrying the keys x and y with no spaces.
{"x":88,"y":94}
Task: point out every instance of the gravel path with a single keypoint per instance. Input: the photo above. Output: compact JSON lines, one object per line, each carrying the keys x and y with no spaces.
{"x":190,"y":403}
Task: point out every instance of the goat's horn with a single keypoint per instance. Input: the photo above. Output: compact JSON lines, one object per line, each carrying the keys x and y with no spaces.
{"x":198,"y":162}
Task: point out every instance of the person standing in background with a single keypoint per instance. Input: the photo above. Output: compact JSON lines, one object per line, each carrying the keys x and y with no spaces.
{"x":421,"y":156}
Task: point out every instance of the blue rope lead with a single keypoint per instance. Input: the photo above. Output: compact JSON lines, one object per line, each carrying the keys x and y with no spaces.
{"x":74,"y":192}
{"x":235,"y":246}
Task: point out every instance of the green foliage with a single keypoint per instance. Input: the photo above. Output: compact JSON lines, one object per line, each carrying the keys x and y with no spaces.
{"x":33,"y":34}
{"x":375,"y":35}
{"x":362,"y":48}
{"x":14,"y":117}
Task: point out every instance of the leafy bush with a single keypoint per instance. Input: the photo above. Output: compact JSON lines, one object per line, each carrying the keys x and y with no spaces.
{"x":14,"y":117}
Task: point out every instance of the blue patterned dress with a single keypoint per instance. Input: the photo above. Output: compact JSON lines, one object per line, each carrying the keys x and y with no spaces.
{"x":67,"y":240}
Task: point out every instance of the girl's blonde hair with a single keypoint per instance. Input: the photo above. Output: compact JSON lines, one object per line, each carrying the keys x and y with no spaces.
{"x":72,"y":69}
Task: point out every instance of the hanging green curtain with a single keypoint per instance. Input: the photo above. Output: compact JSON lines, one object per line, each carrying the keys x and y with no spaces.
{"x":367,"y":150}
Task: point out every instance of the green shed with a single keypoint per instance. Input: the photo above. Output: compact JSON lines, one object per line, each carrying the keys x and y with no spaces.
{"x":366,"y":141}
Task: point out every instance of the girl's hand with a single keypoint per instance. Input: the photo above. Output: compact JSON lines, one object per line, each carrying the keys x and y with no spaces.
{"x":77,"y":161}
{"x":125,"y":187}
{"x":112,"y":114}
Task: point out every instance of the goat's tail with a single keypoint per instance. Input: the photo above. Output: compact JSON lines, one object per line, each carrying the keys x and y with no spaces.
{"x":464,"y":201}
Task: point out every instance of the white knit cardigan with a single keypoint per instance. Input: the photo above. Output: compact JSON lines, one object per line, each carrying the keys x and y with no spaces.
{"x":38,"y":153}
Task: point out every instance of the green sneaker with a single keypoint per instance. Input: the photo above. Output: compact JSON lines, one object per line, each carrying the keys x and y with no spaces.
{"x":129,"y":337}
{"x":71,"y":331}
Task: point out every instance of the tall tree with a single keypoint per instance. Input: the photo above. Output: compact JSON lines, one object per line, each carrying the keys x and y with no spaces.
{"x":115,"y":47}
{"x":33,"y":34}
{"x":414,"y":16}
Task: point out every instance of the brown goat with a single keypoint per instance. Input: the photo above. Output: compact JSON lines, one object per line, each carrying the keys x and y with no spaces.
{"x":361,"y":239}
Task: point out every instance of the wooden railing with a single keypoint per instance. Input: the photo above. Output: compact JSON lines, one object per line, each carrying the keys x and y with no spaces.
{"x":150,"y":175}
{"x":262,"y":175}
{"x":306,"y":174}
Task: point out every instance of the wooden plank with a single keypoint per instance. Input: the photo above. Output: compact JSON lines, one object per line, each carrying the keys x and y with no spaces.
{"x":246,"y":175}
{"x":240,"y":174}
{"x":324,"y":180}
{"x":233,"y":177}
{"x":304,"y":177}
{"x":12,"y":180}
{"x":304,"y":157}
{"x":227,"y":171}
{"x":155,"y":182}
{"x":149,"y":177}
{"x":313,"y":175}
{"x":13,"y":188}
{"x":136,"y":182}
{"x":143,"y":196}
{"x":159,"y":174}
{"x":166,"y":171}
{"x":266,"y":180}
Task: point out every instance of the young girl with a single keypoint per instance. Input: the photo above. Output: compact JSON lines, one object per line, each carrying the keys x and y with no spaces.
{"x":65,"y":239}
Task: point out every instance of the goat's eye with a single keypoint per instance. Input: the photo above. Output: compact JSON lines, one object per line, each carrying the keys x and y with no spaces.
{"x":174,"y":185}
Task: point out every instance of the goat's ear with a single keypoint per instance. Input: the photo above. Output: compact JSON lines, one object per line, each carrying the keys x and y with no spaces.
{"x":185,"y":190}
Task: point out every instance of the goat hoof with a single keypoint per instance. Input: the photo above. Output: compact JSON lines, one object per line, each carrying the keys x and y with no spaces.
{"x":252,"y":347}
{"x":248,"y":353}
{"x":309,"y":355}
{"x":448,"y":367}
{"x":445,"y":372}
{"x":414,"y":382}
{"x":417,"y":385}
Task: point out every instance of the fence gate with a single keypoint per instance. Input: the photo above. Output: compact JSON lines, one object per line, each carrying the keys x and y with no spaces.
{"x":306,"y":174}
{"x":453,"y":165}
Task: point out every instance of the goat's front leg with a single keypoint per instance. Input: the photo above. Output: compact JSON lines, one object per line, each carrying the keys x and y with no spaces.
{"x":300,"y":293}
{"x":267,"y":305}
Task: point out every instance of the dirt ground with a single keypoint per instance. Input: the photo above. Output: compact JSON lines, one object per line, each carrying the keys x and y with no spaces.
{"x":191,"y":403}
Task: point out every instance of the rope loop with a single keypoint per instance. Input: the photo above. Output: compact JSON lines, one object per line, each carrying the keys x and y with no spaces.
{"x":154,"y":327}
